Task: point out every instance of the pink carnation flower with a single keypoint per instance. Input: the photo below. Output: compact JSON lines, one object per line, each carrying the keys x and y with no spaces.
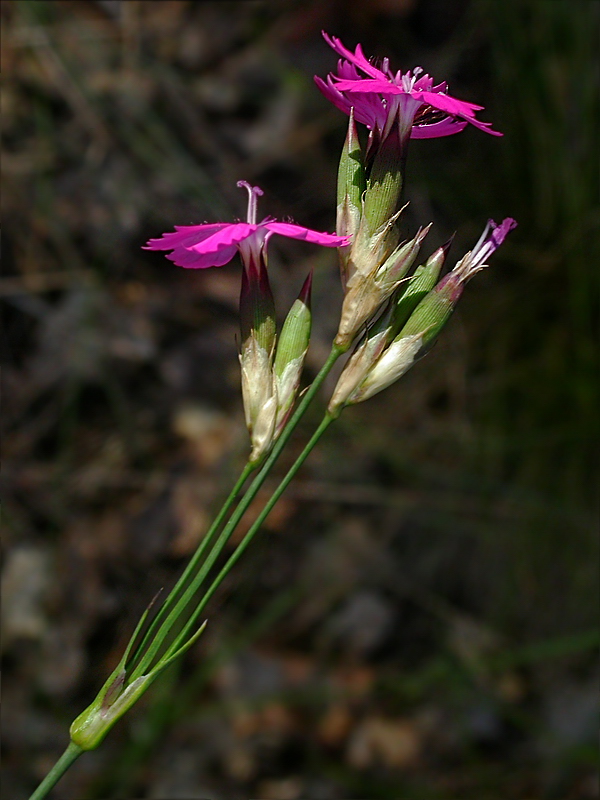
{"x":383,"y":98}
{"x":212,"y":245}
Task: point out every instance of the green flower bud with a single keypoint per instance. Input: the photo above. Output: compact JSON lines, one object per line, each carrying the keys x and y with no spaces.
{"x":351,"y":182}
{"x":421,"y":282}
{"x":350,"y":189}
{"x":432,"y":313}
{"x":291,"y":352}
{"x":424,"y":324}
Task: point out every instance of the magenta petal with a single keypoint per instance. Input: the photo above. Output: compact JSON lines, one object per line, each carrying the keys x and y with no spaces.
{"x":368,"y":109}
{"x":185,"y":236}
{"x":299,"y":232}
{"x":228,"y":235}
{"x":358,"y":57}
{"x":191,"y":260}
{"x":449,"y":104}
{"x":335,"y":97}
{"x":499,"y":232}
{"x":445,"y":127}
{"x":486,"y":127}
{"x":368,"y":85}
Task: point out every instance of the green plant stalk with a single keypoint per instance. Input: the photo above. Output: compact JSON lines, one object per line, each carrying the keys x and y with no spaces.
{"x":194,"y":560}
{"x":73,"y":751}
{"x":233,"y":558}
{"x":192,"y":588}
{"x":67,"y":759}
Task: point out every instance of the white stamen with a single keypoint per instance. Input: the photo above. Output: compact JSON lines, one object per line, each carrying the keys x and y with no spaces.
{"x":409,"y":79}
{"x":254,"y":192}
{"x":483,"y":236}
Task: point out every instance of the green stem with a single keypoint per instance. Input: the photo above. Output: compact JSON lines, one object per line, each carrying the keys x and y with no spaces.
{"x":256,"y":484}
{"x":325,"y":423}
{"x":70,"y":755}
{"x":193,"y":562}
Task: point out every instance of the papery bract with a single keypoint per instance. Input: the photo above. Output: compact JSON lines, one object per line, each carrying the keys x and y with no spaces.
{"x":373,"y":368}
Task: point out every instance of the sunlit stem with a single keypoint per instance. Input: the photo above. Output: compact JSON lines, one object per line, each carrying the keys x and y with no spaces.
{"x":325,"y":423}
{"x":67,"y":759}
{"x":193,"y":562}
{"x":235,"y":518}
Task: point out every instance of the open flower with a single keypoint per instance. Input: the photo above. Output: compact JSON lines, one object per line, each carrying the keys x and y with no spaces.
{"x":383,"y":99}
{"x":268,"y":388}
{"x":212,"y":245}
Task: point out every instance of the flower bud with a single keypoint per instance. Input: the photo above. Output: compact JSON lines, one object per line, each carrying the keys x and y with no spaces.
{"x":360,"y":362}
{"x":291,"y":352}
{"x":430,"y":315}
{"x":423,"y":326}
{"x":258,"y":394}
{"x":351,"y":172}
{"x":395,"y":267}
{"x":395,"y":361}
{"x":350,"y":189}
{"x":383,"y":331}
{"x":370,"y":250}
{"x":257,"y":321}
{"x":366,"y":293}
{"x":421,"y":282}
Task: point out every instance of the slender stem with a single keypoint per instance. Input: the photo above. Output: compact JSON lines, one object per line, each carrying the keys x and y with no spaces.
{"x":194,"y":560}
{"x":73,"y":751}
{"x":256,"y":484}
{"x":325,"y":423}
{"x":70,"y":755}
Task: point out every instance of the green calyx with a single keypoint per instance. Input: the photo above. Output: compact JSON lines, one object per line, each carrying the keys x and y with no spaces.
{"x":430,"y":316}
{"x":384,"y":185}
{"x":257,"y":307}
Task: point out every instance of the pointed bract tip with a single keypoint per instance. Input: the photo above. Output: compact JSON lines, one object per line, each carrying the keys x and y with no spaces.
{"x":445,"y":248}
{"x":306,"y":290}
{"x":155,"y":598}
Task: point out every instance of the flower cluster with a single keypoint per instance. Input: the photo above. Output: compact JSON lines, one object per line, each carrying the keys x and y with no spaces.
{"x":393,"y":311}
{"x":420,"y":311}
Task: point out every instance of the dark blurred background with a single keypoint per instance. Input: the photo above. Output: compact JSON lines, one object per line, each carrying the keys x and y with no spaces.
{"x":419,"y":617}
